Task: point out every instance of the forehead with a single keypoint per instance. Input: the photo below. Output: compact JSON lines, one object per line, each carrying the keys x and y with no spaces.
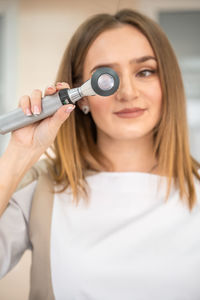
{"x":118,"y":45}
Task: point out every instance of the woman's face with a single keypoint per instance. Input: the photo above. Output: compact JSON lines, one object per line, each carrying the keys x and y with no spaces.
{"x":135,"y":109}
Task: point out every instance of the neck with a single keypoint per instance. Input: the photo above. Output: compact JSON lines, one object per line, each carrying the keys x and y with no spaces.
{"x":129,"y":155}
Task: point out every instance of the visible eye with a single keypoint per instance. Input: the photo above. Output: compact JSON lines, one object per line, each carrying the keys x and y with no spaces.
{"x":146,"y":73}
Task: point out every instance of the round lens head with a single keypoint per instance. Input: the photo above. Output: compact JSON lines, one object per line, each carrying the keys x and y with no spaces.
{"x":105,"y":82}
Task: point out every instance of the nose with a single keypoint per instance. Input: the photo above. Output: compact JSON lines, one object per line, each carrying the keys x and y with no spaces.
{"x":128,"y":89}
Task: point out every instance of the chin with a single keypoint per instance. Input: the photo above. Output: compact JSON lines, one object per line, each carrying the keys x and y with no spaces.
{"x":129,"y":136}
{"x":130,"y":133}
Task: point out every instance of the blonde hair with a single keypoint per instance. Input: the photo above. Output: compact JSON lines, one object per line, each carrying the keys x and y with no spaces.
{"x":75,"y":146}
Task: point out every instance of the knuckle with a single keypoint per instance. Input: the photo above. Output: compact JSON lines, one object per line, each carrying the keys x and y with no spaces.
{"x":24,"y":100}
{"x":36,"y":97}
{"x":61,"y":85}
{"x":50,"y":90}
{"x":24,"y":97}
{"x":37,"y":91}
{"x":24,"y":103}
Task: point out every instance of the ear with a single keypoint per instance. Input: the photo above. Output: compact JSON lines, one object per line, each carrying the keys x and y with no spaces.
{"x":83,"y":102}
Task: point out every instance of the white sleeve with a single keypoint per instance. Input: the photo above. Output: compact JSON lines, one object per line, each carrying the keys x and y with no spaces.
{"x":14,"y":235}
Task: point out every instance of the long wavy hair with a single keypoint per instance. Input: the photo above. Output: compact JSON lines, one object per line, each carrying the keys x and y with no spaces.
{"x":75,"y":148}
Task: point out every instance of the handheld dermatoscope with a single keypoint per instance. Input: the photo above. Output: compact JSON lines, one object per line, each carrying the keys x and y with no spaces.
{"x":104,"y":82}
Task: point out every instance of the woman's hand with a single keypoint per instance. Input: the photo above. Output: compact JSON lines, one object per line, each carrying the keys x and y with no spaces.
{"x":29,"y":143}
{"x":39,"y":136}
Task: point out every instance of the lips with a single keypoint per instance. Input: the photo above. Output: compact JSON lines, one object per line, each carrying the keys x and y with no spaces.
{"x":130,"y":112}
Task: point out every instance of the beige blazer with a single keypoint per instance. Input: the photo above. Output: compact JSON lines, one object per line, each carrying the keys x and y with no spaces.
{"x":39,"y":231}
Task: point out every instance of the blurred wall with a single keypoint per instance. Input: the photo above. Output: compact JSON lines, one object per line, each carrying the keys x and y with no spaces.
{"x":45,"y":27}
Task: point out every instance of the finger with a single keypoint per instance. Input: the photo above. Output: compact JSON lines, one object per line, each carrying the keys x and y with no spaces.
{"x":62,"y":85}
{"x":50,"y":90}
{"x":36,"y":98}
{"x":60,"y":116}
{"x":25,"y":105}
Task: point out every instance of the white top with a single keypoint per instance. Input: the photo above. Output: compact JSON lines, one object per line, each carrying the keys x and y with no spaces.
{"x":128,"y":244}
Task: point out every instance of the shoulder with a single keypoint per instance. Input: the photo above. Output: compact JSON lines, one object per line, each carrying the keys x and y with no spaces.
{"x":25,"y":192}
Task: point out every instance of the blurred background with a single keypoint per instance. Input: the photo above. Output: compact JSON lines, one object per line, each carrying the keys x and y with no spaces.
{"x":33,"y":36}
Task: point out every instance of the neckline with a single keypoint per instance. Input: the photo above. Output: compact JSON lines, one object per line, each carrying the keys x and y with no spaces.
{"x":123,"y":182}
{"x":123,"y":173}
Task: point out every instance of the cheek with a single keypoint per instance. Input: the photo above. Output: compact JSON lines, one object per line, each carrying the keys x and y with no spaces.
{"x":99,"y":107}
{"x":159,"y":101}
{"x":155,"y":98}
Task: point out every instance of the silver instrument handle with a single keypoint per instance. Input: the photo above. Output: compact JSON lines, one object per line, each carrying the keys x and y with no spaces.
{"x":17,"y":119}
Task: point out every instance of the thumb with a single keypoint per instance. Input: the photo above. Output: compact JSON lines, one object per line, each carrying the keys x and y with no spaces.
{"x":60,"y":116}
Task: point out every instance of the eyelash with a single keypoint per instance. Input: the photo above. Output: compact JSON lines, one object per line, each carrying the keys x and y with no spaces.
{"x":152,"y":71}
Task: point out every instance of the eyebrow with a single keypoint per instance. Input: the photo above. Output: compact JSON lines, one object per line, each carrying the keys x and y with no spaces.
{"x":138,"y":60}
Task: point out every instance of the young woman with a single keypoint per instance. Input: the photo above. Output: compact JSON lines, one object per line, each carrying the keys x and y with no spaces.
{"x":123,"y":221}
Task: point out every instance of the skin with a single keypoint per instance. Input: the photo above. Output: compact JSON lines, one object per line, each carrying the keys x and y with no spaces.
{"x":126,"y":142}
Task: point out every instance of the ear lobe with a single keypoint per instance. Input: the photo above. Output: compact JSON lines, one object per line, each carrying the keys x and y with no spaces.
{"x":83,"y":102}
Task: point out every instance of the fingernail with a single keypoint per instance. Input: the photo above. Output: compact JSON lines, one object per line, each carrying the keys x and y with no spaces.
{"x":28,"y":112}
{"x":69,"y":108}
{"x":36,"y":110}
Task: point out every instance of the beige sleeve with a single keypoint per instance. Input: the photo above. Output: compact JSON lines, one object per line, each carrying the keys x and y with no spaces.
{"x":14,"y":231}
{"x":14,"y":237}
